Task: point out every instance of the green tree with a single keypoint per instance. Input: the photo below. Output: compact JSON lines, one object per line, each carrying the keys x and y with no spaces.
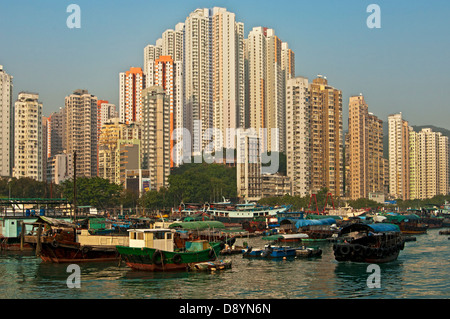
{"x":202,"y":182}
{"x":95,"y":191}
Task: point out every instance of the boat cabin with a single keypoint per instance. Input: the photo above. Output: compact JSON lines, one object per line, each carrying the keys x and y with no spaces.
{"x":160,"y":238}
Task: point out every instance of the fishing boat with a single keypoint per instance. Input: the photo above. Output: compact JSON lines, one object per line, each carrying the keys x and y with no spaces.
{"x":286,"y":238}
{"x":409,"y":224}
{"x":240,"y":213}
{"x":371,"y":243}
{"x":154,"y":250}
{"x":270,"y":252}
{"x":59,"y":241}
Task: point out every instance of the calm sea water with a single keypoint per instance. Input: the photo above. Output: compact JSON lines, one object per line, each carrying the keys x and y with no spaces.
{"x":421,"y":271}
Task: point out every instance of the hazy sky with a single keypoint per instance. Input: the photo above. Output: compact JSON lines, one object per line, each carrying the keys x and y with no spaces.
{"x":401,"y":67}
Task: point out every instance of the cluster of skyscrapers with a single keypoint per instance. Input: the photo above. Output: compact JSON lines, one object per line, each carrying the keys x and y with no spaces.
{"x":199,"y":84}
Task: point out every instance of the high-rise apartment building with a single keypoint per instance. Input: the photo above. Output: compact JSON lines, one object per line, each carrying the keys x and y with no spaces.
{"x":151,"y":53}
{"x":399,"y":174}
{"x":269,"y":63}
{"x":105,"y":112}
{"x":59,"y":168}
{"x":163,"y":73}
{"x":114,"y":139}
{"x":81,"y":131}
{"x":130,"y":98}
{"x":326,"y":137}
{"x":428,"y":164}
{"x":198,"y":80}
{"x":55,"y":133}
{"x":227,"y":75}
{"x":156,"y":136}
{"x":28,"y":137}
{"x":6,"y":124}
{"x":365,"y":150}
{"x":248,"y":166}
{"x":172,"y":43}
{"x":297,"y":140}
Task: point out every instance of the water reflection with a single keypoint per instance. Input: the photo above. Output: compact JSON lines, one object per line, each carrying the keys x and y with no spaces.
{"x":421,"y":271}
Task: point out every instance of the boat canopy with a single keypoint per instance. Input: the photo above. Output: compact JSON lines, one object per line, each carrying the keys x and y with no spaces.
{"x":199,"y":225}
{"x":53,"y":222}
{"x":403,"y":218}
{"x":310,"y":222}
{"x":315,"y":216}
{"x":376,"y":228}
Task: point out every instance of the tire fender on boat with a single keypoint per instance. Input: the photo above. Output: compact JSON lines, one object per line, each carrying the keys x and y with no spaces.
{"x":177,"y":259}
{"x":158,"y":257}
{"x":345,"y":249}
{"x":55,"y":243}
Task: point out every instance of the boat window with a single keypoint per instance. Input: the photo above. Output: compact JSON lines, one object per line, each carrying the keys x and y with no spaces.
{"x":133,"y":235}
{"x":159,"y":235}
{"x":140,"y":236}
{"x":169,"y":236}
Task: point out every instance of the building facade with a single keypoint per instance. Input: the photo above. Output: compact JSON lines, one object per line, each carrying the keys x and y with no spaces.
{"x":365,"y":150}
{"x":248,"y":166}
{"x":156,"y":136}
{"x":113,"y":159}
{"x":55,"y":133}
{"x":298,"y":161}
{"x":28,"y":148}
{"x":130,"y":96}
{"x":6,"y":124}
{"x":428,"y":164}
{"x":81,"y":131}
{"x":269,"y":63}
{"x":399,"y":175}
{"x":326,"y":143}
{"x":228,"y":75}
{"x":198,"y":80}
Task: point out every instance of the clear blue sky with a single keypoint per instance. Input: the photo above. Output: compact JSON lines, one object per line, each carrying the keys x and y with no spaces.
{"x":404,"y":66}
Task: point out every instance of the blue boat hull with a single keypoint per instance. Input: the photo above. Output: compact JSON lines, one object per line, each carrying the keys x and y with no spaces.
{"x":274,"y":252}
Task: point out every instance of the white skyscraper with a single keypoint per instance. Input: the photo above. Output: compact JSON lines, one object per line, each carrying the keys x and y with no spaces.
{"x":130,"y":98}
{"x":269,"y":64}
{"x":297,"y":139}
{"x":399,"y":183}
{"x":198,"y":81}
{"x":28,"y":137}
{"x":228,"y":74}
{"x":6,"y":124}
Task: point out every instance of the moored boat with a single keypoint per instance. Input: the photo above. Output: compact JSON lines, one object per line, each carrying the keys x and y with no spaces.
{"x":240,"y":213}
{"x":287,"y":238}
{"x":409,"y":224}
{"x":269,"y":252}
{"x":59,"y":241}
{"x":308,"y":252}
{"x":371,"y":243}
{"x":154,"y":250}
{"x":212,"y":265}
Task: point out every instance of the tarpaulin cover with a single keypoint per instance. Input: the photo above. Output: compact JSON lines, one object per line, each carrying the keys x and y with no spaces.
{"x":308,"y":222}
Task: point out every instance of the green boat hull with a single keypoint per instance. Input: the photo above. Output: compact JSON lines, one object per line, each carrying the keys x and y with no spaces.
{"x":151,"y":259}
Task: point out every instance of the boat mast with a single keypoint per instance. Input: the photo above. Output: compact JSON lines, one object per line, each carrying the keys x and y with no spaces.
{"x":75,"y":186}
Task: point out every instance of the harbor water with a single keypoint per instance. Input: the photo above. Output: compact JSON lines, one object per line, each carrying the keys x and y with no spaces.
{"x":421,"y":271}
